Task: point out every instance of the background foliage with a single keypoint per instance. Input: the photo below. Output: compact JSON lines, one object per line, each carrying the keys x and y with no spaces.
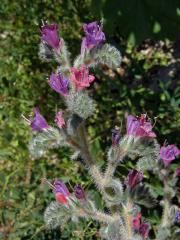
{"x":147,"y":34}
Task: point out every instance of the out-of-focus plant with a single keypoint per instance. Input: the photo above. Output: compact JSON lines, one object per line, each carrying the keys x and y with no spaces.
{"x":122,"y":198}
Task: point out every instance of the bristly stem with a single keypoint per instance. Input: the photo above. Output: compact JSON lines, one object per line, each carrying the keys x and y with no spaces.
{"x":112,"y":165}
{"x":83,"y":147}
{"x":97,"y":215}
{"x":127,"y":219}
{"x":109,"y":173}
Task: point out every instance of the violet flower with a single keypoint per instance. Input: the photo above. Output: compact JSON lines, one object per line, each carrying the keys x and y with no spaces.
{"x":81,"y":77}
{"x":50,"y":35}
{"x":60,"y":187}
{"x":138,"y":226}
{"x":115,"y":136}
{"x":139,"y":127}
{"x":61,"y":192}
{"x":59,"y":83}
{"x":169,"y":153}
{"x":59,"y":120}
{"x":93,"y":36}
{"x":177,"y":173}
{"x":79,"y":192}
{"x":177,"y":216}
{"x":144,"y":230}
{"x":38,"y":123}
{"x":134,"y":177}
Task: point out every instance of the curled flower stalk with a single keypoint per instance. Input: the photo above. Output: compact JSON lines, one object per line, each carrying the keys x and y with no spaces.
{"x":123,"y":197}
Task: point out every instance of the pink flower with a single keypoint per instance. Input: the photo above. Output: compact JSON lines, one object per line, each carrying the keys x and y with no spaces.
{"x":61,"y":192}
{"x":137,"y":221}
{"x":138,"y":226}
{"x":59,"y":120}
{"x":141,"y":127}
{"x":169,"y":153}
{"x":81,"y":77}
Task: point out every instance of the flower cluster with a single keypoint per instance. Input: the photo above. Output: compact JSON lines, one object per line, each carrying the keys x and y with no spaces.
{"x":62,"y":193}
{"x":139,"y":143}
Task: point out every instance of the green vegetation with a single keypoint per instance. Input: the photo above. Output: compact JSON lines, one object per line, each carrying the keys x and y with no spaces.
{"x":146,"y":32}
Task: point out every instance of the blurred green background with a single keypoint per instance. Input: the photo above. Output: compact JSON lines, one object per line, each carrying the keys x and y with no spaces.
{"x":148,"y":35}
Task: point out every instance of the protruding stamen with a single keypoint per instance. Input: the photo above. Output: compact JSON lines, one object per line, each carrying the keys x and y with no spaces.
{"x":44,"y":180}
{"x":26,"y":119}
{"x":155,"y":120}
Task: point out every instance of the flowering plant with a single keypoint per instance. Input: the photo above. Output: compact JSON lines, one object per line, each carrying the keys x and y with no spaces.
{"x":123,"y":198}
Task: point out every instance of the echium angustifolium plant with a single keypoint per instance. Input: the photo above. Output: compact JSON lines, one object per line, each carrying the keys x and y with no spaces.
{"x":124,"y":219}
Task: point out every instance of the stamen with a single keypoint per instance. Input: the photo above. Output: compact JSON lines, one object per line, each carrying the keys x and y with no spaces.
{"x":155,"y":120}
{"x":44,"y":180}
{"x":43,"y":23}
{"x":26,"y":119}
{"x":165,"y":142}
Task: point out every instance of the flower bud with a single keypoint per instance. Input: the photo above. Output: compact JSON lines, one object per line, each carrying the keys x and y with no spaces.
{"x":169,"y":153}
{"x":79,"y":192}
{"x":134,"y":177}
{"x":115,"y":136}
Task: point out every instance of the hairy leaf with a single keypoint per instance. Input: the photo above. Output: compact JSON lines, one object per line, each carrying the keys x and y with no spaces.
{"x":108,"y":55}
{"x":56,"y":215}
{"x":114,"y":192}
{"x":141,"y":195}
{"x":79,"y":103}
{"x":49,"y":138}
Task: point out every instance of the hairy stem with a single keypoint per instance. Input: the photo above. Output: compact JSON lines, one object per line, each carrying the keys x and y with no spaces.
{"x":109,"y":173}
{"x":127,"y":219}
{"x":165,"y":217}
{"x":98,"y":216}
{"x":112,"y":165}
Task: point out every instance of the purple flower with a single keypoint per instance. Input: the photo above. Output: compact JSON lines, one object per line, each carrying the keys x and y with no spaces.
{"x":177,"y":173}
{"x":79,"y":192}
{"x":115,"y":136}
{"x":134,"y":177}
{"x":60,"y":187}
{"x":139,"y":127}
{"x":138,"y":226}
{"x":59,"y":83}
{"x":177,"y":216}
{"x":38,"y":123}
{"x":169,"y":153}
{"x":144,"y":230}
{"x":93,"y":36}
{"x":50,"y":35}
